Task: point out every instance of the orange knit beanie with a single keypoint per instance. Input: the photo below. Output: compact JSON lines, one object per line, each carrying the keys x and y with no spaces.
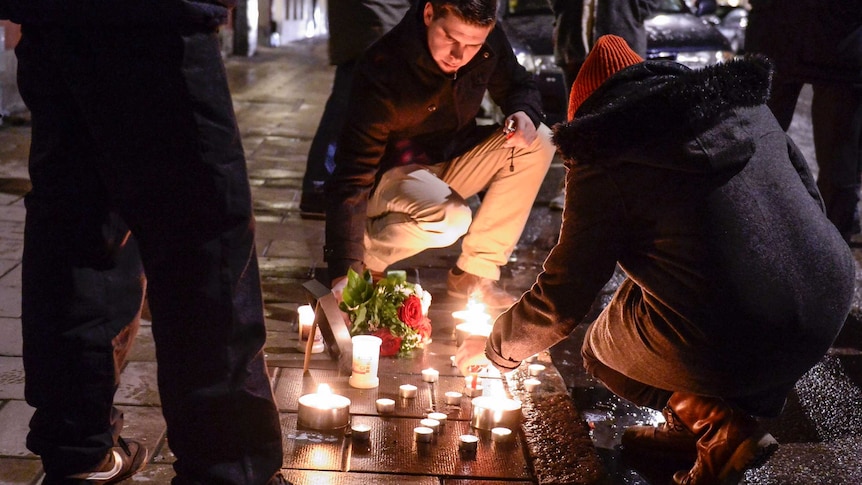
{"x":609,"y":55}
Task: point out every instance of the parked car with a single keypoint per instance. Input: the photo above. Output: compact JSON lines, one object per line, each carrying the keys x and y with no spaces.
{"x":674,"y":33}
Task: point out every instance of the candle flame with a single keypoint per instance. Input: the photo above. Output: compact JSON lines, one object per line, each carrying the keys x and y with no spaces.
{"x":324,"y":390}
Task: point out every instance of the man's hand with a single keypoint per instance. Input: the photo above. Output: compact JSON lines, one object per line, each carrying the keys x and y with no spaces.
{"x":471,"y":355}
{"x":338,"y":285}
{"x":524,"y":134}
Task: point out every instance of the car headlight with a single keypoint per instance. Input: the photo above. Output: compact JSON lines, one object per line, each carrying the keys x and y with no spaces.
{"x":535,"y":64}
{"x":699,"y":59}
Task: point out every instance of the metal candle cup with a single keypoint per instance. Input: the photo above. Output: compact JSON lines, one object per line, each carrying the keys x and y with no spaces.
{"x":407,"y":391}
{"x":491,"y":412}
{"x":468,"y":443}
{"x":423,"y":434}
{"x":366,"y":358}
{"x":385,"y":406}
{"x":360,"y":432}
{"x":430,"y":375}
{"x":453,"y":398}
{"x":430,"y":423}
{"x":323,"y":410}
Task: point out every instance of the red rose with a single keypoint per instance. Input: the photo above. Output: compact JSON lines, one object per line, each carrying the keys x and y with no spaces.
{"x":424,"y":328}
{"x":391,"y":344}
{"x":411,"y":311}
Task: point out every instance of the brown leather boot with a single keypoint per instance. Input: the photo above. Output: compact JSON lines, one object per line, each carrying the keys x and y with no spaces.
{"x":670,"y":437}
{"x":729,"y":441}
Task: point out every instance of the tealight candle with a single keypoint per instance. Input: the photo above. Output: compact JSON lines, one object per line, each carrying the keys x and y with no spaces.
{"x":502,"y":435}
{"x":531,"y":384}
{"x":491,"y":412}
{"x":439,"y":417}
{"x":423,"y":434}
{"x":385,"y":405}
{"x":536,"y":369}
{"x":453,"y":398}
{"x":468,"y":443}
{"x":407,"y":391}
{"x":366,"y":358}
{"x":430,"y":423}
{"x":323,"y":410}
{"x":474,"y":391}
{"x":430,"y":375}
{"x":360,"y":432}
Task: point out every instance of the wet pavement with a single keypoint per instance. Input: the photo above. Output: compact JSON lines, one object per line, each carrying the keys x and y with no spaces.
{"x":570,"y":433}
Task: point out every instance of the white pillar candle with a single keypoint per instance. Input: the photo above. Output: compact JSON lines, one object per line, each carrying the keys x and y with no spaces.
{"x":385,"y":405}
{"x":430,"y":375}
{"x":366,"y":358}
{"x":407,"y":391}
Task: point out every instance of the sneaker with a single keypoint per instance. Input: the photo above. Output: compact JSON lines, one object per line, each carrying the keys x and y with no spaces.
{"x":466,"y":285}
{"x":123,"y":461}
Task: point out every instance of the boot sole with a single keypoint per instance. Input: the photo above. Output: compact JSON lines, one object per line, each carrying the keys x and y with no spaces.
{"x":752,"y":453}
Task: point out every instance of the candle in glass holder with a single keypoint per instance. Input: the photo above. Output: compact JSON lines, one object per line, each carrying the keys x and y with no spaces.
{"x":385,"y":405}
{"x":407,"y":391}
{"x":453,"y":398}
{"x":493,"y":411}
{"x":305,"y":320}
{"x":323,"y":410}
{"x":366,"y":358}
{"x":430,"y":375}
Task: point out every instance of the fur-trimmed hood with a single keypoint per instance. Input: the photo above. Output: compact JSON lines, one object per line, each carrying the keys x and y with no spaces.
{"x":664,"y":114}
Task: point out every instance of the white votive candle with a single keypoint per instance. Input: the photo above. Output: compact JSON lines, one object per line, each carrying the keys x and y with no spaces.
{"x":423,"y":434}
{"x":407,"y":391}
{"x":385,"y":405}
{"x":453,"y":398}
{"x":536,"y":369}
{"x":430,"y":375}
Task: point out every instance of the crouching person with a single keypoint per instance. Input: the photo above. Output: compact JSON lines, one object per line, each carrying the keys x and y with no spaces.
{"x":737,"y":283}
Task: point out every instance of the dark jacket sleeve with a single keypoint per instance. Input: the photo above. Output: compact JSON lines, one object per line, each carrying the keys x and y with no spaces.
{"x":511,"y":86}
{"x":575,"y":271}
{"x":801,"y":166}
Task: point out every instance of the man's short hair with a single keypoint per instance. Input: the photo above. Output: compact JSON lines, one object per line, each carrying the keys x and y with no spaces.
{"x":476,"y":12}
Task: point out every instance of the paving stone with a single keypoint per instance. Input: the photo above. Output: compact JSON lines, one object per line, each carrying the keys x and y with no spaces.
{"x":138,"y":385}
{"x":14,"y":421}
{"x":11,"y":378}
{"x":19,"y":471}
{"x":11,"y":343}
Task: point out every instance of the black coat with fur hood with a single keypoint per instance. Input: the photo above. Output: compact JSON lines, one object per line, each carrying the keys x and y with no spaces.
{"x":736,"y":281}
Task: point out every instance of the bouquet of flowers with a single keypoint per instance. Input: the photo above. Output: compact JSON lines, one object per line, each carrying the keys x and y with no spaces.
{"x":392,"y":309}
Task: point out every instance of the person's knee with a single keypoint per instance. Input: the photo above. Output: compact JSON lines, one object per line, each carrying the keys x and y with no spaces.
{"x":457,"y":218}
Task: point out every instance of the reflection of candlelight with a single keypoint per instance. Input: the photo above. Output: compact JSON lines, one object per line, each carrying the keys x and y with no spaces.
{"x":490,"y":412}
{"x":323,"y":410}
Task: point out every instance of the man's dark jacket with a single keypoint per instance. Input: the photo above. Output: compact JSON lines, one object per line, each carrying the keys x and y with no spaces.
{"x":736,"y":282}
{"x":404,"y":109}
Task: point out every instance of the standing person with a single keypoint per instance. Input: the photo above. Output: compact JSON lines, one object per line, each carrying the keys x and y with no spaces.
{"x":577,"y":25}
{"x":133,"y":133}
{"x":819,"y":43}
{"x":410,"y":152}
{"x":737,"y":283}
{"x":353,"y":26}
